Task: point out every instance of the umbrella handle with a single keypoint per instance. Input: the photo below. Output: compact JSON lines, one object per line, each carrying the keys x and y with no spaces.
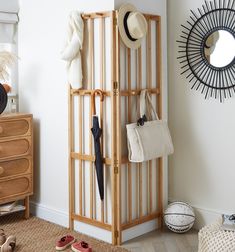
{"x":99,"y":92}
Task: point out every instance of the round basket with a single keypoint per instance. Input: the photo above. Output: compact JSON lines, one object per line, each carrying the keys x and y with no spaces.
{"x":212,"y":238}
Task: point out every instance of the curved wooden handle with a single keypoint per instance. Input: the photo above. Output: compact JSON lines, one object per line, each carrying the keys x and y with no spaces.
{"x":1,"y":170}
{"x":101,"y":94}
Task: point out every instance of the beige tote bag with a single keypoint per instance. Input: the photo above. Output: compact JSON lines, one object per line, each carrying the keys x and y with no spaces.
{"x":151,"y":139}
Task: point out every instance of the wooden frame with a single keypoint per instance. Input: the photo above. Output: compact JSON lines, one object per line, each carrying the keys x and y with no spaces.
{"x":115,"y":162}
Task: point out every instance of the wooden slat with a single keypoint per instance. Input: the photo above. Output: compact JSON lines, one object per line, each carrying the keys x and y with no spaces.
{"x":91,"y":163}
{"x":141,"y":220}
{"x":109,"y":14}
{"x":159,"y":105}
{"x":137,"y":165}
{"x":97,"y":15}
{"x":91,"y":158}
{"x":152,"y":17}
{"x":149,"y":85}
{"x":92,"y":222}
{"x":129,"y":121}
{"x":71,"y":161}
{"x":114,"y":128}
{"x":119,"y":142}
{"x":137,"y":92}
{"x":80,"y":116}
{"x":90,"y":86}
{"x":101,"y":27}
{"x":88,"y":92}
{"x":132,"y":92}
{"x":140,"y":191}
{"x":159,"y":67}
{"x":140,"y":165}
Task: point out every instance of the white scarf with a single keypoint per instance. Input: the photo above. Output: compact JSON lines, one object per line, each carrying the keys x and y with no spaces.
{"x":71,"y":52}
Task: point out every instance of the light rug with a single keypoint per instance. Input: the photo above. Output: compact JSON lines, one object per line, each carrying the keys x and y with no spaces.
{"x":39,"y":235}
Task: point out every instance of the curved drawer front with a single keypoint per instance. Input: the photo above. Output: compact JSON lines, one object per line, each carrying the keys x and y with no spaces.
{"x":14,"y":128}
{"x":15,"y":187}
{"x":14,"y":148}
{"x":15,"y":167}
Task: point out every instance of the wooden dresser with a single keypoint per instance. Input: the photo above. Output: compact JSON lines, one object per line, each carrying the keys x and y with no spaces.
{"x":16,"y":158}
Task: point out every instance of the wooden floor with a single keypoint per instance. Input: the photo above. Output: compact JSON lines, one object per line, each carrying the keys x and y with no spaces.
{"x":164,"y":241}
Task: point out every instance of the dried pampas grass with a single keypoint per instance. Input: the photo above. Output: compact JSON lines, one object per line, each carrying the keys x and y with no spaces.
{"x":7,"y":59}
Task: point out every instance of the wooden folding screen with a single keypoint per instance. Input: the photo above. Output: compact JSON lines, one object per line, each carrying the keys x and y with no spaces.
{"x":133,"y":192}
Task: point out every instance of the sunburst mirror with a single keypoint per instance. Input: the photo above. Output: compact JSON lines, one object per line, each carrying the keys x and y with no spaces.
{"x":207,"y":49}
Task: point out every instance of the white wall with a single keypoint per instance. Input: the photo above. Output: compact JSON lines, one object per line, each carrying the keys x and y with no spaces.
{"x":43,"y":92}
{"x":201,"y":171}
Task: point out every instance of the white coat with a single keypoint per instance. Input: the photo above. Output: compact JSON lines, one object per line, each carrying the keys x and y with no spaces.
{"x":71,"y":52}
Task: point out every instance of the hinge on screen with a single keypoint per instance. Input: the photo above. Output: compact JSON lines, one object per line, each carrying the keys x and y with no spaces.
{"x":116,"y":234}
{"x":115,"y":88}
{"x":115,"y":85}
{"x":116,"y":167}
{"x":114,"y":21}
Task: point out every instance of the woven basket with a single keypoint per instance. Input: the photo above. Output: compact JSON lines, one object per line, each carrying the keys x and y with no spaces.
{"x":213,"y":239}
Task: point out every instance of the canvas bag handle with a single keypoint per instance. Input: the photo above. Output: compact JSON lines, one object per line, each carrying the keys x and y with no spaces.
{"x":146,"y":106}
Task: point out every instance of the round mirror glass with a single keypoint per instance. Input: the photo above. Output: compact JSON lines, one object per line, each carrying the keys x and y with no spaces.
{"x":220,"y":48}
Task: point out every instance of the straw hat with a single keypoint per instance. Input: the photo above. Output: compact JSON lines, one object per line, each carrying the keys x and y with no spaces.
{"x":132,"y":26}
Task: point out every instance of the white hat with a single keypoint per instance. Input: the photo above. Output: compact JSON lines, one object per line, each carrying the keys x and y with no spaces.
{"x":132,"y":26}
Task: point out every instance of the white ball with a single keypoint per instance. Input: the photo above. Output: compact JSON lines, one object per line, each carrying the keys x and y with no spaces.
{"x":179,"y":217}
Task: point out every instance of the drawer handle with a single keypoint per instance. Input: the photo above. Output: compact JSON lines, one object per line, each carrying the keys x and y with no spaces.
{"x":1,"y":129}
{"x":1,"y":170}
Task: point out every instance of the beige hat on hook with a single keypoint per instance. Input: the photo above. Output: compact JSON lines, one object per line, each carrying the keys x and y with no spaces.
{"x":132,"y":26}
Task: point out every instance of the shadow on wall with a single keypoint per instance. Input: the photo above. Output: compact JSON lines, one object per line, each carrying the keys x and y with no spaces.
{"x":188,"y":161}
{"x":28,"y":91}
{"x":36,"y":148}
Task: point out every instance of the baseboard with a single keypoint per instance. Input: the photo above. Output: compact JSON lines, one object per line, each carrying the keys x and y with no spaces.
{"x":49,"y":214}
{"x":204,"y":216}
{"x":62,"y":218}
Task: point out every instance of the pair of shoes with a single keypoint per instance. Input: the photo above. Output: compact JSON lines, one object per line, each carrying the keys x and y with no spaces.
{"x":65,"y":242}
{"x":68,"y":240}
{"x":7,"y":244}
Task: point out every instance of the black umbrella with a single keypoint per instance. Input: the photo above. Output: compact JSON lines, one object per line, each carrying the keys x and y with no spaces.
{"x":3,"y":98}
{"x":97,"y":131}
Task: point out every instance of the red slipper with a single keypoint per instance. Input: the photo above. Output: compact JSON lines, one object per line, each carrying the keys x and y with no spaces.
{"x":65,"y":242}
{"x":2,"y":237}
{"x":9,"y":245}
{"x":81,"y":247}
